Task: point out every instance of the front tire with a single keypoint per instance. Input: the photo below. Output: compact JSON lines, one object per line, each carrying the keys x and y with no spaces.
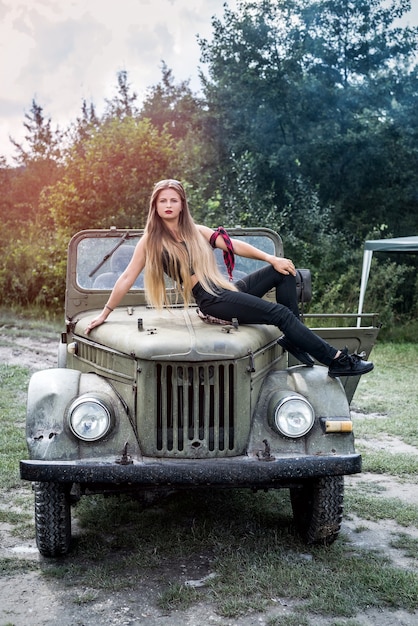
{"x":318,"y":509}
{"x":52,"y":518}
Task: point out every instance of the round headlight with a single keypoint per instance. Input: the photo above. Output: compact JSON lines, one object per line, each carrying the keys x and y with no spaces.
{"x":293,"y":416}
{"x":89,"y":418}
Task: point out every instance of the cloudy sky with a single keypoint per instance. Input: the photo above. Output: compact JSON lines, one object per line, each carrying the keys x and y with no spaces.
{"x":63,"y":51}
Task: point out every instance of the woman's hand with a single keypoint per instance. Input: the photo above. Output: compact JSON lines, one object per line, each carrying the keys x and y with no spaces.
{"x":282,"y":265}
{"x":96,"y":322}
{"x":123,"y":283}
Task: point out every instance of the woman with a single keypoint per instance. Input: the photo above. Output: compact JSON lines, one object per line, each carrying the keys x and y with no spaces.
{"x":173,"y":244}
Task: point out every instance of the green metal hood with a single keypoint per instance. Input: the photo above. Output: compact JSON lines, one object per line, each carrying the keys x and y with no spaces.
{"x":175,"y":334}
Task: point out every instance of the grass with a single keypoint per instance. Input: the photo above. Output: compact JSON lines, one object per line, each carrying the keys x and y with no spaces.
{"x":387,"y":462}
{"x":177,"y":597}
{"x":15,"y":566}
{"x":408,"y":545}
{"x":40,"y":321}
{"x":390,"y":393}
{"x":13,"y":385}
{"x":374,"y":508}
{"x":245,"y":539}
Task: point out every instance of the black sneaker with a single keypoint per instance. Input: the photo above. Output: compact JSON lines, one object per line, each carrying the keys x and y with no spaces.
{"x":349,"y":365}
{"x":299,"y":354}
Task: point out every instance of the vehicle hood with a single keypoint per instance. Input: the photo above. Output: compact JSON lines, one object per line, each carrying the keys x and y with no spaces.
{"x":175,"y":334}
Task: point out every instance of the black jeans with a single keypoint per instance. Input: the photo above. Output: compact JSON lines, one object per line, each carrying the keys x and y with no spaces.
{"x":248,"y":307}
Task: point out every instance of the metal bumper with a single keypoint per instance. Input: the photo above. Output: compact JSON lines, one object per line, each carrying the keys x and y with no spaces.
{"x":239,"y":471}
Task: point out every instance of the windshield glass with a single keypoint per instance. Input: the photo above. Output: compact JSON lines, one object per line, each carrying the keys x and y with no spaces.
{"x":95,"y":251}
{"x":100,"y":260}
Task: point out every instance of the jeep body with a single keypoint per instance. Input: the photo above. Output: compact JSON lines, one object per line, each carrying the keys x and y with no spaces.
{"x":159,"y":399}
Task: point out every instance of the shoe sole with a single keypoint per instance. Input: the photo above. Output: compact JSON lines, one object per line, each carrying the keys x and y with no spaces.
{"x":366,"y":370}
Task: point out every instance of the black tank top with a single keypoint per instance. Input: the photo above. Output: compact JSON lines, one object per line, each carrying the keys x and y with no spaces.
{"x":166,"y":265}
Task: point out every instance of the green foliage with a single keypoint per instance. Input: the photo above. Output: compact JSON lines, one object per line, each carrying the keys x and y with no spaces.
{"x":172,"y":107}
{"x":38,"y":165}
{"x":42,"y":143}
{"x":108,"y":181}
{"x":391,"y":291}
{"x":33,"y":269}
{"x":310,"y":238}
{"x":123,"y":104}
{"x":240,"y":201}
{"x":305,"y":106}
{"x":324,"y":90}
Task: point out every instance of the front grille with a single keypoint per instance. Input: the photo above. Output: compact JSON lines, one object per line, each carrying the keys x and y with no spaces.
{"x":95,"y":355}
{"x":105,"y":361}
{"x":195,"y":409}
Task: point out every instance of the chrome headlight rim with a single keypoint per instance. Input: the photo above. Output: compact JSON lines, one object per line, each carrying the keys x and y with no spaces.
{"x":292,"y":425}
{"x":98,"y":416}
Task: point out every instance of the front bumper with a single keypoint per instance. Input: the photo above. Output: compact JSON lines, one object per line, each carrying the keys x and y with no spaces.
{"x":239,"y":471}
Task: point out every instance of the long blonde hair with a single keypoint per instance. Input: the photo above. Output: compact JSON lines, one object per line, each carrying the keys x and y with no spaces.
{"x":192,"y":251}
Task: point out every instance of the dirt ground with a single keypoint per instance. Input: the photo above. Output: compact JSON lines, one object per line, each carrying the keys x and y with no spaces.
{"x":31,"y":598}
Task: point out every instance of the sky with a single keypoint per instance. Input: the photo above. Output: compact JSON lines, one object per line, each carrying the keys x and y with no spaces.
{"x":61,"y":52}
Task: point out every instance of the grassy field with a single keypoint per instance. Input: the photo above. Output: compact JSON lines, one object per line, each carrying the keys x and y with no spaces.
{"x":243,"y":542}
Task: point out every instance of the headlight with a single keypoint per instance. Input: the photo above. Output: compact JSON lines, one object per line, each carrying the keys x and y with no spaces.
{"x":90,"y":418}
{"x":291,"y":415}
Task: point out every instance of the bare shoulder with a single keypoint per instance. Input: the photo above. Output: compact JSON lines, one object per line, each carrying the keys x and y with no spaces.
{"x":141,"y":246}
{"x":139,"y":255}
{"x":205,"y":231}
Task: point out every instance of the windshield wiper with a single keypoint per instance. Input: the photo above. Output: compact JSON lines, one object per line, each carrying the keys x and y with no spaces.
{"x":109,"y":254}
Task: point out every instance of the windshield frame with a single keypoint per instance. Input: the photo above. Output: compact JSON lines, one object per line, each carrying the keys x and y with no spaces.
{"x":91,"y":250}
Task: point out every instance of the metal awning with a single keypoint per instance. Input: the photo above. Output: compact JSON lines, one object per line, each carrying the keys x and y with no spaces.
{"x":398,"y":244}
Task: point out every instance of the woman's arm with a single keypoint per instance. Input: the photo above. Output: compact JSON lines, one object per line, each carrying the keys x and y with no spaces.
{"x":123,"y":283}
{"x":244,"y":249}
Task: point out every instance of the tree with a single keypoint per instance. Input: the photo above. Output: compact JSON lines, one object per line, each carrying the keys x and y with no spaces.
{"x":107,"y":183}
{"x":172,"y":107}
{"x":7,"y":209}
{"x":84,"y":125}
{"x":123,"y":104}
{"x":42,"y":143}
{"x":104,"y":178}
{"x":110,"y":181}
{"x":39,"y":160}
{"x":315,"y":89}
{"x":362,"y":60}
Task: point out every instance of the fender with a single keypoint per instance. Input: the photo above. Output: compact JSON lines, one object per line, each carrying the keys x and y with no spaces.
{"x":328,"y":399}
{"x":48,"y":434}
